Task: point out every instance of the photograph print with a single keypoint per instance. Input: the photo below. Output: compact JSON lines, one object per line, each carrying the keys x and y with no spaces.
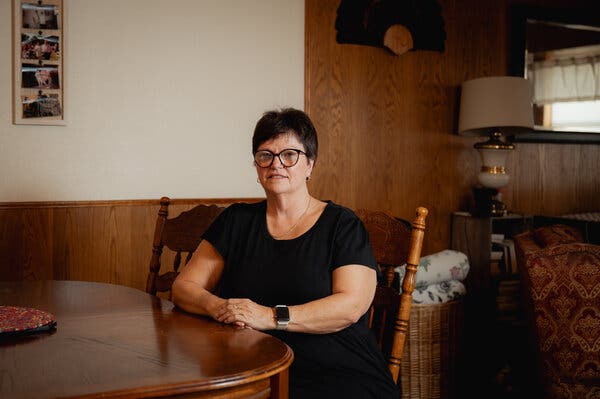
{"x":39,"y":76}
{"x":39,"y":16}
{"x":40,"y":106}
{"x":39,"y":47}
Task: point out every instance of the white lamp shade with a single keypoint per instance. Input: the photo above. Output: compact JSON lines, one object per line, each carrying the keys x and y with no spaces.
{"x":503,"y":102}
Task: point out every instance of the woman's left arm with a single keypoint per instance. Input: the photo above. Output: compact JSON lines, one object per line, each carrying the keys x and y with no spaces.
{"x":353,"y":289}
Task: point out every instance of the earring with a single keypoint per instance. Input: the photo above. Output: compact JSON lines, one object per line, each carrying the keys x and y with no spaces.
{"x":307,"y":178}
{"x":258,"y":180}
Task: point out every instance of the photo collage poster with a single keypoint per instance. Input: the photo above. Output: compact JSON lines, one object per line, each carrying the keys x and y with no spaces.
{"x":39,"y":50}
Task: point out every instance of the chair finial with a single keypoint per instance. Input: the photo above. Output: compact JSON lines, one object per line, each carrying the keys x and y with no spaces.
{"x":421,"y":214}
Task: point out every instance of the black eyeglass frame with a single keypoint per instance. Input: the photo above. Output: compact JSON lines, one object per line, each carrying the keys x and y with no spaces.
{"x":278,"y":155}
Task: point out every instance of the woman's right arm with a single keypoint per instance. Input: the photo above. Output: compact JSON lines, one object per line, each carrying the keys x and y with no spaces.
{"x":193,"y":288}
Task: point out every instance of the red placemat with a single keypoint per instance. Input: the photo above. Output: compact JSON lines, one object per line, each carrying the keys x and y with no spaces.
{"x":14,"y":319}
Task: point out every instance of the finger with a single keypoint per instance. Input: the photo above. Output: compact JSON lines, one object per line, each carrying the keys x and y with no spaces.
{"x":221,"y":318}
{"x":222,"y":308}
{"x":224,"y":314}
{"x":231,"y":319}
{"x":233,"y":308}
{"x":229,"y":315}
{"x":220,"y":314}
{"x":228,"y":306}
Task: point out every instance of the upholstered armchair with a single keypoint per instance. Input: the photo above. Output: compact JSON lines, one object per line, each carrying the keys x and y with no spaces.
{"x":561,"y":293}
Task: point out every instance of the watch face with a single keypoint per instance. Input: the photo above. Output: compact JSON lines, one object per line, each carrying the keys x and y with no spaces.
{"x":282,"y":313}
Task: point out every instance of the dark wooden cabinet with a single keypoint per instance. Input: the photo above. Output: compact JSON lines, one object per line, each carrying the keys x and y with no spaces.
{"x":473,"y":236}
{"x":492,"y":340}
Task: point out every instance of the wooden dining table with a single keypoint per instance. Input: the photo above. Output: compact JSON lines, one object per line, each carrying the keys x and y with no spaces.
{"x":112,"y":341}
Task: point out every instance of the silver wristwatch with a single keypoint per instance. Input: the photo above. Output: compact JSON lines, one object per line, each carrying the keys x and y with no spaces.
{"x":282,"y":316}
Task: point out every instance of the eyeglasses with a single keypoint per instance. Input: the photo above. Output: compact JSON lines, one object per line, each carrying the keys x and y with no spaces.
{"x":288,"y":157}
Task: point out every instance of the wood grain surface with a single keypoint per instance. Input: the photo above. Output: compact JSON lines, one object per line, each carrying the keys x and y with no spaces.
{"x":387,"y":124}
{"x":118,"y":342}
{"x":103,"y":241}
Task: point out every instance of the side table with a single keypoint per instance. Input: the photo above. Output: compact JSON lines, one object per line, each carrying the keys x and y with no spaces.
{"x":487,"y":339}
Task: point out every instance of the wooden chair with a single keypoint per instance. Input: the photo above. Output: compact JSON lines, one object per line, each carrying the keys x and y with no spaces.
{"x":394,"y":243}
{"x":180,"y":234}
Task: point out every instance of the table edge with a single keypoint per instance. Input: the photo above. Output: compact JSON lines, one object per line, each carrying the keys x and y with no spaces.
{"x":192,"y":386}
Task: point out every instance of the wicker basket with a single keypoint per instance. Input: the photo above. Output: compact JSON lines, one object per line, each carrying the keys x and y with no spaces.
{"x":428,"y":368}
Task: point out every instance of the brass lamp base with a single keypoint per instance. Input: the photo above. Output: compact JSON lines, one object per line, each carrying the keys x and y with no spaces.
{"x":486,"y":203}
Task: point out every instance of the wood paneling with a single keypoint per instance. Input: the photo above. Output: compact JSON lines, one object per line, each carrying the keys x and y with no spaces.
{"x":104,"y":241}
{"x":26,"y":244}
{"x":387,"y":124}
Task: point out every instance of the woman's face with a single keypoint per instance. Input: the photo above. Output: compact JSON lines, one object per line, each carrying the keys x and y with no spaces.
{"x":278,"y":179}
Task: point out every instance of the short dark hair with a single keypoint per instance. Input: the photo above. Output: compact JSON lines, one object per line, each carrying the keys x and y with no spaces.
{"x":287,"y":120}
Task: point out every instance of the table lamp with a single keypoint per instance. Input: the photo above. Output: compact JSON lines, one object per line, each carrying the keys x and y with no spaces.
{"x":492,"y":107}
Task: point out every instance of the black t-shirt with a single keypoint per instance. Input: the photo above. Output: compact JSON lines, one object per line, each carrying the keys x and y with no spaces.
{"x":270,"y":272}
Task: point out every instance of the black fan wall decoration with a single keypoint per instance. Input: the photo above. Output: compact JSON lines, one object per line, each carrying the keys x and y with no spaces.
{"x":397,"y":25}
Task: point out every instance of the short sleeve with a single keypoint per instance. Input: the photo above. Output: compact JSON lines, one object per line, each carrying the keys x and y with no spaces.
{"x":219,"y":232}
{"x":351,"y":244}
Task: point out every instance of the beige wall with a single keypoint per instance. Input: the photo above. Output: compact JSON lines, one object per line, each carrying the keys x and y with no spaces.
{"x":161,"y":99}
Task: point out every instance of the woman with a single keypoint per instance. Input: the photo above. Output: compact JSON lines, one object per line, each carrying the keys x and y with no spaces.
{"x":296,"y":267}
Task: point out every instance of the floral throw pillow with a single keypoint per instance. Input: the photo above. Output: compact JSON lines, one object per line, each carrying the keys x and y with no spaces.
{"x":443,"y":292}
{"x":439,"y":267}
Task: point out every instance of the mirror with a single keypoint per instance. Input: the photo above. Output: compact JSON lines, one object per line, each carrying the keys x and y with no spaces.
{"x":558,"y":50}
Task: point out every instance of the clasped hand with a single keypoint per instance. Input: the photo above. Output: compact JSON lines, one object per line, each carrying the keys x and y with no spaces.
{"x":245,"y":313}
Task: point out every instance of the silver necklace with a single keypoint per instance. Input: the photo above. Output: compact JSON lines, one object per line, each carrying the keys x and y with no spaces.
{"x":295,"y":224}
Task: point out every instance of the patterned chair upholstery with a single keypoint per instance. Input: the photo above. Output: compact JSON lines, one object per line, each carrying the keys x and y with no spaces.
{"x":561,"y":290}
